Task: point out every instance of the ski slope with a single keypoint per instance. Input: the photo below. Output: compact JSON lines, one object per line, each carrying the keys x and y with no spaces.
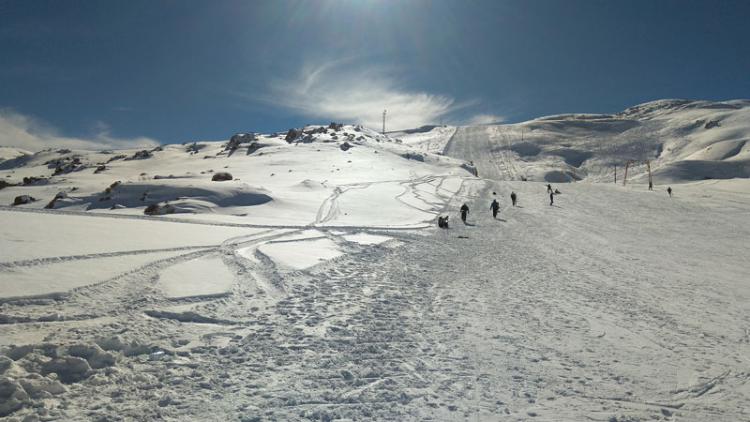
{"x":342,"y":301}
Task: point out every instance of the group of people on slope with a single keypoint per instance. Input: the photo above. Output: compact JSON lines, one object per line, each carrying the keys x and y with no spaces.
{"x":464,"y":210}
{"x":495,"y":206}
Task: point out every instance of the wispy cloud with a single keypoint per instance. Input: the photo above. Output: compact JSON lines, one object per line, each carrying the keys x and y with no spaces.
{"x":342,"y":90}
{"x":22,"y":131}
{"x":485,"y":119}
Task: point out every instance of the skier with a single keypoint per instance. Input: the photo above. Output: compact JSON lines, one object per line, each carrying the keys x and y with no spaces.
{"x":494,"y":206}
{"x":464,"y":212}
{"x":513,"y":198}
{"x":650,"y":185}
{"x":549,"y":188}
{"x":551,"y":198}
{"x":669,"y":191}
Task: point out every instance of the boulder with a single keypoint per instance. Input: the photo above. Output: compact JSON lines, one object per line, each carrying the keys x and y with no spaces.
{"x":240,"y":138}
{"x":141,"y":155}
{"x":221,"y":176}
{"x":23,"y":199}
{"x":33,"y":180}
{"x":117,"y":157}
{"x":156,"y":209}
{"x":4,"y":184}
{"x":100,"y":168}
{"x":345,"y":146}
{"x":69,"y":369}
{"x":292,"y":134}
{"x":413,"y":156}
{"x":711,"y":124}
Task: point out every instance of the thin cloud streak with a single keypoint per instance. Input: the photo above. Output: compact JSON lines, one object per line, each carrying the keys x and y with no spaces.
{"x":21,"y":131}
{"x":339,"y":91}
{"x":485,"y":119}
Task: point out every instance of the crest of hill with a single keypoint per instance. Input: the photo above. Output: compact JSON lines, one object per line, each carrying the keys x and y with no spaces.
{"x":683,"y":140}
{"x":250,"y":173}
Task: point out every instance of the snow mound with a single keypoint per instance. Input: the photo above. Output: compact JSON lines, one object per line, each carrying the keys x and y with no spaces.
{"x":184,"y":196}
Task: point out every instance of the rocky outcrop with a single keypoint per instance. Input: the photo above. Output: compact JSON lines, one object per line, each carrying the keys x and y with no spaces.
{"x":141,"y":155}
{"x":221,"y":176}
{"x":157,"y":209}
{"x":23,"y":199}
{"x":292,"y":135}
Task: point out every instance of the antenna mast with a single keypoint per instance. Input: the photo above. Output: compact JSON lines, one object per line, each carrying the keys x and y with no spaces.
{"x":384,"y":111}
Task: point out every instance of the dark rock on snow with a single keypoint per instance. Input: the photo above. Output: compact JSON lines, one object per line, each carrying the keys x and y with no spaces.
{"x":23,"y":199}
{"x":221,"y":176}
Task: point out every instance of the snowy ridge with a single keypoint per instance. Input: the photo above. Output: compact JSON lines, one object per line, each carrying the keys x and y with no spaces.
{"x":684,"y":140}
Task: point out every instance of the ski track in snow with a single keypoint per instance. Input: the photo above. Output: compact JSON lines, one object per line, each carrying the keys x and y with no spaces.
{"x":547,"y":313}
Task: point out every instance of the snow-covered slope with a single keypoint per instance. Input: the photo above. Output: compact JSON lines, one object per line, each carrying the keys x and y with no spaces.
{"x":9,"y":153}
{"x":314,"y":286}
{"x":274,"y":181}
{"x":683,"y":140}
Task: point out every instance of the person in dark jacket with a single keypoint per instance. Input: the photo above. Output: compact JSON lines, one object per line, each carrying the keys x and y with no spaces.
{"x":549,"y":188}
{"x":669,"y":191}
{"x":513,"y":198}
{"x":495,"y":207}
{"x":464,"y":212}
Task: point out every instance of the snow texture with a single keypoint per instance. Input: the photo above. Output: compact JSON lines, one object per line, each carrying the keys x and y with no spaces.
{"x":315,"y":285}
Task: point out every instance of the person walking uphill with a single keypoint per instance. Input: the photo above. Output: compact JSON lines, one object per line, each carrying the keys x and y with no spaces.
{"x":551,"y":198}
{"x":495,"y":207}
{"x":513,"y":198}
{"x":669,"y":191}
{"x":464,"y":212}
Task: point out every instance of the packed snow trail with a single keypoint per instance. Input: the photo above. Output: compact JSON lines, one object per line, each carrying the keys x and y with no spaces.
{"x":491,"y":156}
{"x":535,"y":315}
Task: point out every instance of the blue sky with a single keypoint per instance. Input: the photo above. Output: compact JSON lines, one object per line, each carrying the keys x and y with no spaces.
{"x":121,"y":72}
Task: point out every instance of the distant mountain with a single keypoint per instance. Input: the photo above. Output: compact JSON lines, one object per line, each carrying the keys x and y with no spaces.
{"x":683,"y":140}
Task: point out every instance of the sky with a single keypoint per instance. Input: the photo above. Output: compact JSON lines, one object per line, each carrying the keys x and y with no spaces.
{"x":139,"y":72}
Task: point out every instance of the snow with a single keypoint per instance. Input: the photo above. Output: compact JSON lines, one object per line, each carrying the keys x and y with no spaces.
{"x":47,"y":235}
{"x":300,"y":254}
{"x":9,"y":153}
{"x":62,"y":274}
{"x":327,"y":293}
{"x":205,"y":276}
{"x":366,"y":238}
